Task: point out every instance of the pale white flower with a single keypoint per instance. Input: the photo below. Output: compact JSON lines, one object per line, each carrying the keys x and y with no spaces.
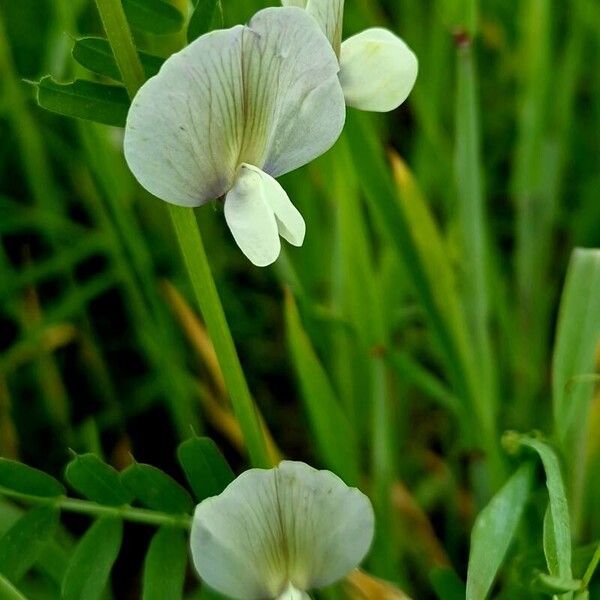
{"x":230,"y":112}
{"x":378,"y":69}
{"x":277,"y":533}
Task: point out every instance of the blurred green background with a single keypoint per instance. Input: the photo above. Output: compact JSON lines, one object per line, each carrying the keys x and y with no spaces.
{"x":415,"y":325}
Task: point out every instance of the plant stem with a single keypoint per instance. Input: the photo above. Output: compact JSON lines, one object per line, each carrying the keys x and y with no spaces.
{"x":121,"y":41}
{"x":86,"y":507}
{"x":194,"y":255}
{"x":192,"y":249}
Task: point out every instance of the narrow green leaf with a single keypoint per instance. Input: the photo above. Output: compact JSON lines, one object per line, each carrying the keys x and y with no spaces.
{"x":8,"y":591}
{"x":153,"y":16}
{"x":577,"y":340}
{"x":446,"y":584}
{"x":89,"y":569}
{"x":403,"y":215}
{"x":27,"y":480}
{"x":472,"y":223}
{"x":81,"y":99}
{"x":97,"y":481}
{"x":207,"y":15}
{"x":559,"y":563}
{"x":494,"y":530}
{"x":549,"y":539}
{"x":164,"y":568}
{"x":96,"y":55}
{"x":334,"y":436}
{"x":156,"y":490}
{"x":205,"y":468}
{"x":575,"y":354}
{"x":22,"y":544}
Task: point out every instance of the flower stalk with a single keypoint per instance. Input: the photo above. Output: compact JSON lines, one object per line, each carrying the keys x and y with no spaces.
{"x":192,"y":249}
{"x":93,"y":509}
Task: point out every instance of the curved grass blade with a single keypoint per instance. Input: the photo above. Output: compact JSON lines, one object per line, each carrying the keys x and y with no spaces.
{"x":557,"y":524}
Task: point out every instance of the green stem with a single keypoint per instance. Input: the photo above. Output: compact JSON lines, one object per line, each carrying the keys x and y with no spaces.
{"x":121,"y":41}
{"x":192,"y":249}
{"x":194,"y":255}
{"x":86,"y":507}
{"x":8,"y":591}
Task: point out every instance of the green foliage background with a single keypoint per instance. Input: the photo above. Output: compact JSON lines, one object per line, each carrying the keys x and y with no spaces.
{"x":419,"y":322}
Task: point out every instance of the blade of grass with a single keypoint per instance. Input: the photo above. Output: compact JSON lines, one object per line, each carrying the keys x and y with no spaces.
{"x":575,"y":354}
{"x":493,"y":532}
{"x":472,"y":223}
{"x":534,"y":213}
{"x":333,"y":433}
{"x":558,"y":522}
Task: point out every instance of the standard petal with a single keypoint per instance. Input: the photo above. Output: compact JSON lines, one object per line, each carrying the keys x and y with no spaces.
{"x":251,"y":218}
{"x":272,"y":528}
{"x":329,"y":527}
{"x":185,"y":125}
{"x":266,"y":94}
{"x":236,"y":540}
{"x":290,"y":223}
{"x":289,"y":59}
{"x":378,"y":70}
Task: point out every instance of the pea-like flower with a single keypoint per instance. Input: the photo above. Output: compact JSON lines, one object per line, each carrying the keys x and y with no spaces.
{"x":277,"y":533}
{"x":232,"y":111}
{"x":378,"y":69}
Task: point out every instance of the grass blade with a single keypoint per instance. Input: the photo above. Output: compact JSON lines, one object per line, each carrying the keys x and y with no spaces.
{"x":334,"y":436}
{"x":494,"y":530}
{"x":558,"y":523}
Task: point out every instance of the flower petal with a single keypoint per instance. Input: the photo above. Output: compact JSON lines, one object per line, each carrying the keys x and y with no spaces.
{"x":293,"y":593}
{"x":378,"y":70}
{"x":272,"y":528}
{"x":328,"y":13}
{"x":251,"y":218}
{"x":311,"y":110}
{"x":328,"y":526}
{"x":183,"y":131}
{"x":330,"y":16}
{"x":265,"y":94}
{"x":290,"y":223}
